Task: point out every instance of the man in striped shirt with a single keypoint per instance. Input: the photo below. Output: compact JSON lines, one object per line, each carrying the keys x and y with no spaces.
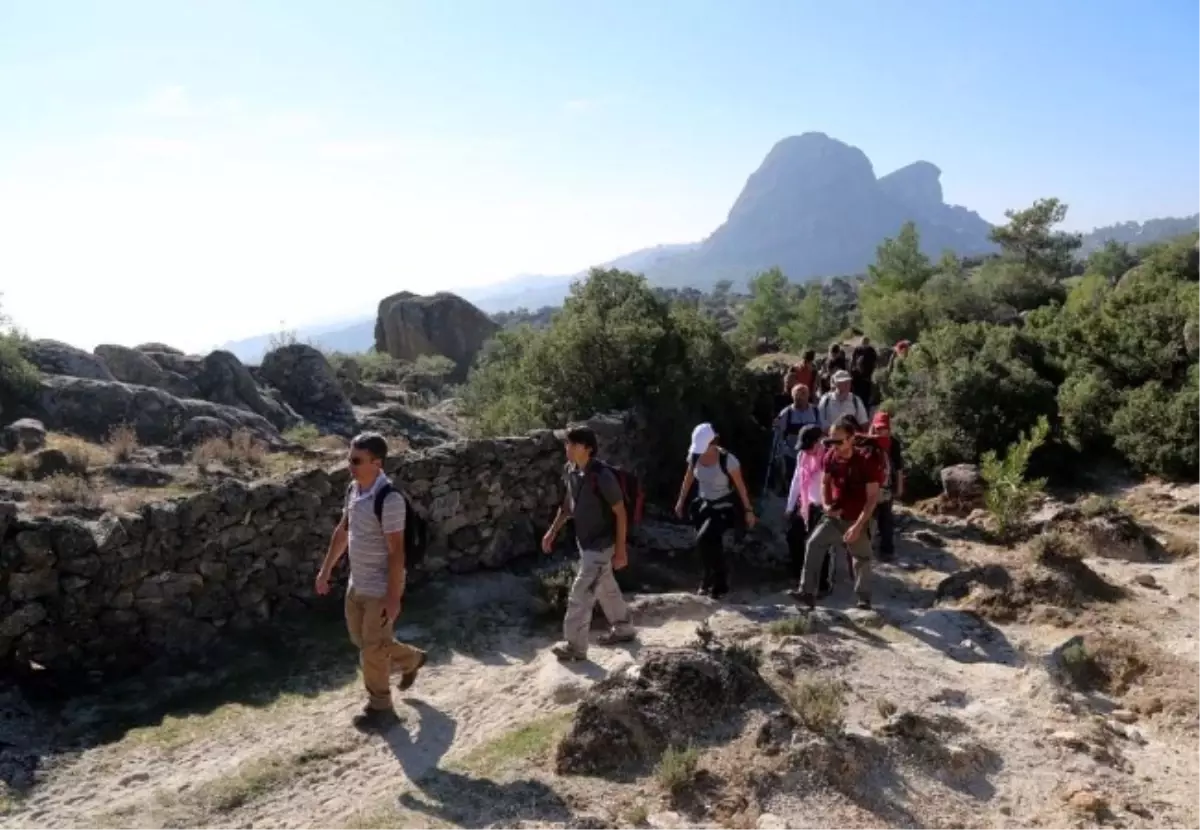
{"x":376,"y":545}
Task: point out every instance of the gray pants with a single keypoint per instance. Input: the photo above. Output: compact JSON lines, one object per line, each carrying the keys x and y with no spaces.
{"x":594,"y":583}
{"x":829,"y":534}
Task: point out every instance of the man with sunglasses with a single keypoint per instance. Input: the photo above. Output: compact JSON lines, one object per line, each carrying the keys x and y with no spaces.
{"x":850,"y":482}
{"x":372,"y":528}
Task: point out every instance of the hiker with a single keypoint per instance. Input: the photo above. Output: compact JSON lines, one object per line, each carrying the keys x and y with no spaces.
{"x":841,"y":401}
{"x":595,"y":502}
{"x":804,"y":372}
{"x":372,"y":529}
{"x":893,"y":486}
{"x":850,"y":481}
{"x":864,"y":355}
{"x":718,"y":475}
{"x":835,"y":362}
{"x":862,"y":371}
{"x":802,"y":510}
{"x":792,"y":418}
{"x":902,"y":348}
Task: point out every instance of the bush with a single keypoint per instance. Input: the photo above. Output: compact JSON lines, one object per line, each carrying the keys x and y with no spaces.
{"x":1086,"y":403}
{"x":121,"y":443}
{"x":71,"y":489}
{"x":614,"y":346}
{"x":241,"y":449}
{"x":677,"y":768}
{"x":969,"y":388}
{"x":1009,"y":494}
{"x":18,"y":377}
{"x":819,"y":704}
{"x":1156,"y":429}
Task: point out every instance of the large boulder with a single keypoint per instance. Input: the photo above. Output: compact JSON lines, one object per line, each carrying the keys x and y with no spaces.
{"x":54,"y":358}
{"x":409,"y":326}
{"x":91,"y":408}
{"x":135,"y":366}
{"x":157,"y":347}
{"x":395,"y":419}
{"x":307,"y":383}
{"x":962,"y":482}
{"x":24,"y":435}
{"x":225,"y":380}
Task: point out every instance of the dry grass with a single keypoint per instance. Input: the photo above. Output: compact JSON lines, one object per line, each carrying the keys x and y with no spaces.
{"x":242,"y":449}
{"x":303,"y":434}
{"x":533,"y":740}
{"x":122,"y":442}
{"x":676,"y":768}
{"x":1110,"y":664}
{"x":886,"y":708}
{"x":70,"y":489}
{"x":82,"y":454}
{"x":637,"y":815}
{"x":819,"y":704}
{"x":17,"y":465}
{"x":790,"y":626}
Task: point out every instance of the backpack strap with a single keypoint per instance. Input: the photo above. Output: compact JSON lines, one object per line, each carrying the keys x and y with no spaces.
{"x":380,"y":497}
{"x":723,"y":460}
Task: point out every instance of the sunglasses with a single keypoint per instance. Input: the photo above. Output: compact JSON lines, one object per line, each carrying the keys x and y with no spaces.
{"x":357,"y":460}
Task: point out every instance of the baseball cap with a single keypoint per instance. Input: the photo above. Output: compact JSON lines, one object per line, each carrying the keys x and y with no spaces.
{"x":702,"y":436}
{"x":841,"y":376}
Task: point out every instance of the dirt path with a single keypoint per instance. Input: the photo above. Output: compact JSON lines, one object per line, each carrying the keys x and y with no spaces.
{"x":480,"y":724}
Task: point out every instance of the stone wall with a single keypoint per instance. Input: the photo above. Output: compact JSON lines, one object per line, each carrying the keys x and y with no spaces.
{"x":123,"y":591}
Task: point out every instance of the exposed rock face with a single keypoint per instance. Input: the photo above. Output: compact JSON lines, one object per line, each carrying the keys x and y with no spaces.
{"x":962,"y":482}
{"x":307,"y":383}
{"x":54,"y":358}
{"x":395,"y":419}
{"x":223,"y":379}
{"x":134,"y":366}
{"x":815,"y":208}
{"x":91,"y":408}
{"x":409,"y":326}
{"x":157,"y":347}
{"x":670,"y":698}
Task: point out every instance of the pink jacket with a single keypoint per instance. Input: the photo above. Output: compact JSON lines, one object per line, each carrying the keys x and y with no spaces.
{"x":806,"y":484}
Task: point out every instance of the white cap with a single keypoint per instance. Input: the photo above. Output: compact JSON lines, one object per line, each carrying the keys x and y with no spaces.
{"x":702,"y":436}
{"x":841,"y":376}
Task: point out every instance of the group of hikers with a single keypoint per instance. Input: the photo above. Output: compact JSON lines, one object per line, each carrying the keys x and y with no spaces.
{"x":844,"y":468}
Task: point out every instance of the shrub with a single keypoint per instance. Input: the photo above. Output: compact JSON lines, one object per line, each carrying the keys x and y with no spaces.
{"x":121,"y":443}
{"x":1086,"y":403}
{"x":819,"y":704}
{"x":82,"y":455}
{"x":1008,"y":494}
{"x":71,"y":489}
{"x":790,"y":626}
{"x":18,"y":377}
{"x":304,"y":434}
{"x":969,"y":388}
{"x":677,"y":768}
{"x":240,"y":449}
{"x":1156,"y":429}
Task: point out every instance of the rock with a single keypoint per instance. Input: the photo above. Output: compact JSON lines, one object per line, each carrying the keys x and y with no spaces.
{"x":52,"y":462}
{"x":670,"y":697}
{"x":202,"y":428}
{"x":962,"y":482}
{"x":138,"y":475}
{"x":928,"y":537}
{"x":161,"y":348}
{"x":958,"y":585}
{"x":770,"y":821}
{"x":1146,"y":580}
{"x":136,"y":367}
{"x":54,"y":358}
{"x":307,"y":382}
{"x":667,"y":820}
{"x":1088,"y":802}
{"x":223,"y":379}
{"x":420,"y":431}
{"x":1115,"y":534}
{"x":1188,"y":509}
{"x":1124,"y":715}
{"x":558,"y":683}
{"x":1071,"y":740}
{"x":91,"y":408}
{"x":24,"y":435}
{"x":408,"y":326}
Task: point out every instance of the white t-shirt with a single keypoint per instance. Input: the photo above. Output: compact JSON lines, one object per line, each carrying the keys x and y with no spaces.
{"x":712,"y":483}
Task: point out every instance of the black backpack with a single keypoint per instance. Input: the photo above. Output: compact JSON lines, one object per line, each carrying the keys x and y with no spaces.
{"x":722,"y":459}
{"x":416,"y":529}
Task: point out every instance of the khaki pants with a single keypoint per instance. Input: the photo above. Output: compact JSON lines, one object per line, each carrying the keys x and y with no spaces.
{"x":594,"y":583}
{"x":379,"y":652}
{"x":829,"y":534}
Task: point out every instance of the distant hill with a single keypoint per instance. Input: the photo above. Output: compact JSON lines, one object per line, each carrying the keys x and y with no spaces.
{"x":814,"y":207}
{"x":1140,"y":233}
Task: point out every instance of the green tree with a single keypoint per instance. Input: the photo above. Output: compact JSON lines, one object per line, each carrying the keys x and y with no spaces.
{"x":1111,"y":261}
{"x":18,"y":377}
{"x":815,"y":321}
{"x":771,"y":307}
{"x":899,"y":263}
{"x":1030,"y":239}
{"x":889,"y":316}
{"x":1008,"y":492}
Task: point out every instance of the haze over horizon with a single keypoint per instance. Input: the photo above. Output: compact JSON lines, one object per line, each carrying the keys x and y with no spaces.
{"x":195,"y":173}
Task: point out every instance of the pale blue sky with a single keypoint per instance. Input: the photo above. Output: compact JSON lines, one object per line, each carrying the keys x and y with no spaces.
{"x":197,"y":171}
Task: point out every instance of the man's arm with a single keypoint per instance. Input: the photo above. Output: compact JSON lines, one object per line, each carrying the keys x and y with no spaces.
{"x":610,"y":491}
{"x":337,"y":547}
{"x":396,"y":570}
{"x":869,"y":507}
{"x":827,"y":494}
{"x":560,"y":519}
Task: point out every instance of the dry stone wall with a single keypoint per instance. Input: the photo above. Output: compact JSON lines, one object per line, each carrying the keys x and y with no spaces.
{"x":169,"y":581}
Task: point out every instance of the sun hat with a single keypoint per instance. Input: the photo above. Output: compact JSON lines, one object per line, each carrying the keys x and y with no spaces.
{"x":702,"y":436}
{"x":841,"y":376}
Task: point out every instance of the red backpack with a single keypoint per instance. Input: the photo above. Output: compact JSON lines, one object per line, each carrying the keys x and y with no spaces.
{"x":631,"y":491}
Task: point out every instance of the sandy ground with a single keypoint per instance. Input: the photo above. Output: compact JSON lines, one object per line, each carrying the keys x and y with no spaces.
{"x":266,"y":741}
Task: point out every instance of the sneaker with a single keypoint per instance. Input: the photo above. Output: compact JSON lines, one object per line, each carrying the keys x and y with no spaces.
{"x":375,"y":720}
{"x":566,"y":653}
{"x":807,"y":600}
{"x":410,"y":677}
{"x":612,"y":638}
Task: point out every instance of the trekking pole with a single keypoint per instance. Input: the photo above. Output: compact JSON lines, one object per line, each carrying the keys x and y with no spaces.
{"x":770,"y":466}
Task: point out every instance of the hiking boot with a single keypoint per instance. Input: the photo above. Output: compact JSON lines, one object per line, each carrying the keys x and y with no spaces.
{"x":566,"y":653}
{"x":704,"y":591}
{"x":375,"y":720}
{"x":612,"y":638}
{"x":410,"y":677}
{"x":806,"y":600}
{"x":863,"y":603}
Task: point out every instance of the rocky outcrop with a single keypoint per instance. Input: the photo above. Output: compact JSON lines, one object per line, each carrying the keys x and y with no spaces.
{"x":54,"y":358}
{"x":418,"y":430}
{"x":307,"y":383}
{"x":171,"y":578}
{"x":91,"y":408}
{"x":157,"y":347}
{"x":962,"y":483}
{"x":223,"y":379}
{"x":409,"y":326}
{"x":135,"y":366}
{"x":23,"y":435}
